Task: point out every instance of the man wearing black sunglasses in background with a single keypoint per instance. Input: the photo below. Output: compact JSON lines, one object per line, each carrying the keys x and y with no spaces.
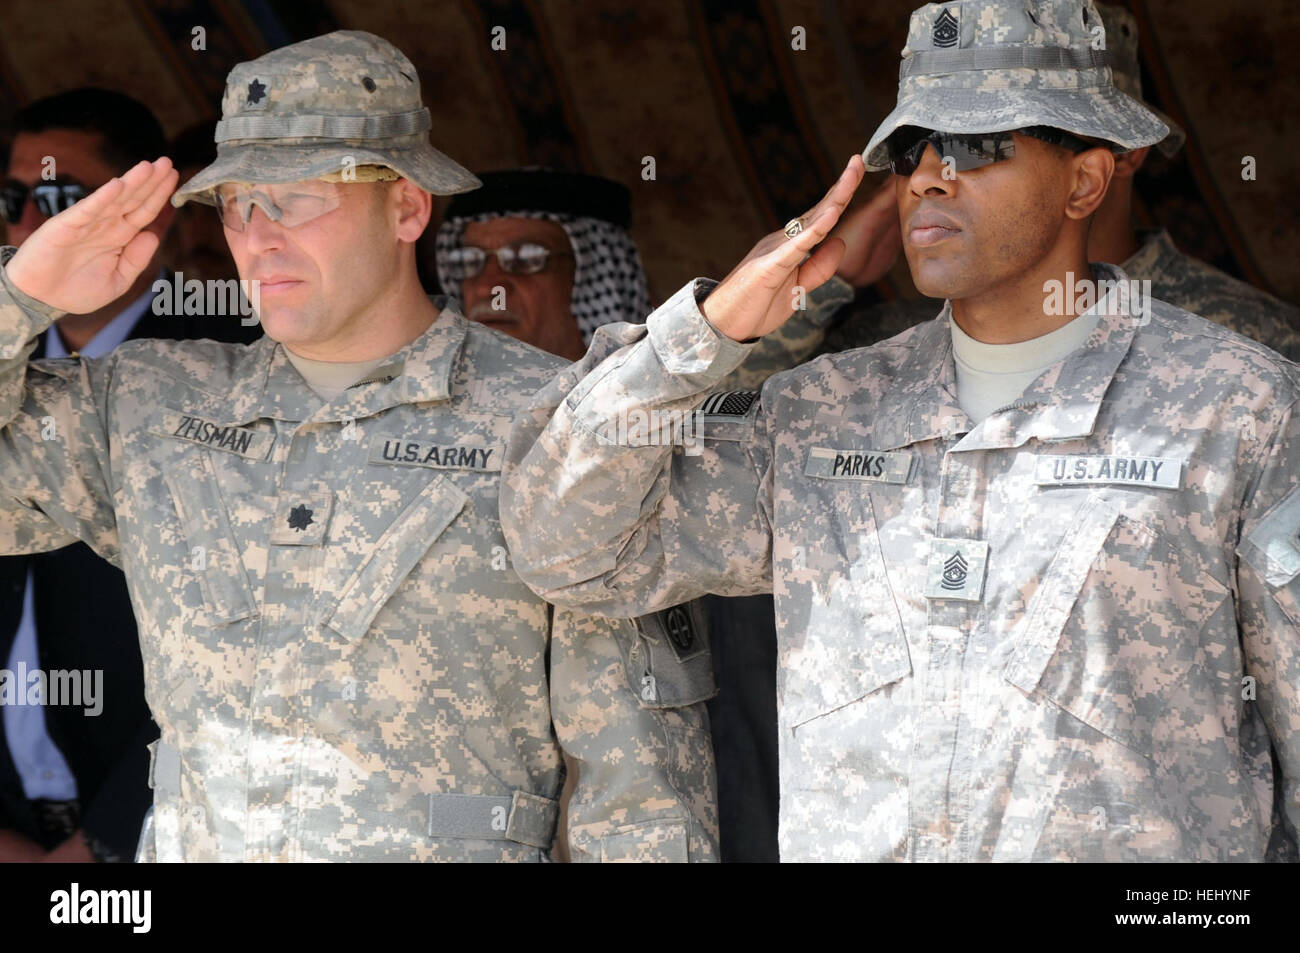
{"x":1036,"y":562}
{"x":74,"y":786}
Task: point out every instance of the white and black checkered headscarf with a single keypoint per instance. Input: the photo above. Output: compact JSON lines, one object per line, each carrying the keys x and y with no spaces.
{"x":609,"y":282}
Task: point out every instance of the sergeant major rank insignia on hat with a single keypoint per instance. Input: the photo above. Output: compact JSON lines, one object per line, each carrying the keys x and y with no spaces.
{"x":946,"y":29}
{"x":990,"y":65}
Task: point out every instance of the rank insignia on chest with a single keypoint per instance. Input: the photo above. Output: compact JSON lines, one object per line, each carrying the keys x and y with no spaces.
{"x":956,"y":569}
{"x":302,"y":517}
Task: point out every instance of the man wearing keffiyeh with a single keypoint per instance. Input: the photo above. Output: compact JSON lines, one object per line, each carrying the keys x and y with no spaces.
{"x":544,"y":256}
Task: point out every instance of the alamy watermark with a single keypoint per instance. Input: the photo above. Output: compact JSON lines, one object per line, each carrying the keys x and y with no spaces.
{"x":658,"y":428}
{"x":215,"y":296}
{"x":1131,"y":297}
{"x":133,"y":908}
{"x":79,"y":688}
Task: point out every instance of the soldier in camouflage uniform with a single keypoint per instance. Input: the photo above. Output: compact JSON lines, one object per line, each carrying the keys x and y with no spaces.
{"x":1175,"y":276}
{"x":1064,"y":629}
{"x":342,"y":661}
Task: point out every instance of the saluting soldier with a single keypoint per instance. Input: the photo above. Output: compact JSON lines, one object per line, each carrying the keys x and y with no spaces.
{"x":341,"y":659}
{"x":1036,"y":568}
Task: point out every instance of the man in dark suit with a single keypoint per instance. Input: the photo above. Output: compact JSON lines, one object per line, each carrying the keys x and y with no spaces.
{"x":73,"y":780}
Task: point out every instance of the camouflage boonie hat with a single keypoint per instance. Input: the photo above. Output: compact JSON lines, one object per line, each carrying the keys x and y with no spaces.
{"x":1122,"y":38}
{"x":991,"y":65}
{"x":304,"y":110}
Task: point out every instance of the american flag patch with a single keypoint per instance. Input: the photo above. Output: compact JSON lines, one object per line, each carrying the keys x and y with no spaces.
{"x":735,"y":403}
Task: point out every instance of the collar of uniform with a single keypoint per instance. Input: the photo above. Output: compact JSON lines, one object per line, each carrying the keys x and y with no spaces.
{"x":1155,"y":250}
{"x":242,"y":397}
{"x":267,"y":385}
{"x":921,"y":402}
{"x":421,"y":371}
{"x":1063,"y":403}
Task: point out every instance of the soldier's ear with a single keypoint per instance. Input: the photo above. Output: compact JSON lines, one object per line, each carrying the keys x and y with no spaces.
{"x":1093,"y":170}
{"x":411,"y":206}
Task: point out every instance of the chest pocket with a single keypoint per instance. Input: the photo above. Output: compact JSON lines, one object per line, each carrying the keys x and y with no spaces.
{"x":1112,"y":635}
{"x":852,"y":642}
{"x":392,"y":554}
{"x":211,"y":550}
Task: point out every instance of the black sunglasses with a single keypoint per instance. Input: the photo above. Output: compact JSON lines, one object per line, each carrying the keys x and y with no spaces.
{"x":906,"y":147}
{"x":51,"y":198}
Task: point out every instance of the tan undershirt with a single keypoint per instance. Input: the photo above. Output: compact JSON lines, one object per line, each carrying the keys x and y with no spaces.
{"x":991,"y":376}
{"x":331,"y":378}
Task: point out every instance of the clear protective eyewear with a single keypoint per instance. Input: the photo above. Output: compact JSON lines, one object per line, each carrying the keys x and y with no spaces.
{"x":523,"y":258}
{"x":289,"y":204}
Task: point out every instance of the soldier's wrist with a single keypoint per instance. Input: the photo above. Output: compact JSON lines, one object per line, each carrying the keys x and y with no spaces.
{"x":687,"y":343}
{"x":703,"y":288}
{"x":25,"y":301}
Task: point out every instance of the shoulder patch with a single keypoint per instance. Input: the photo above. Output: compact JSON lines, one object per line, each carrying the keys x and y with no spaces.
{"x":735,"y":403}
{"x":725,"y":415}
{"x":1273,"y":546}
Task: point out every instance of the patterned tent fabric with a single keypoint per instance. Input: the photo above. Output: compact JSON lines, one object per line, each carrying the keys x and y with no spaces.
{"x":724,"y":118}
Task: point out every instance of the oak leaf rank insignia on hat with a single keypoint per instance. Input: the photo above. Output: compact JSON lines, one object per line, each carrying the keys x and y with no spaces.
{"x":256,"y":95}
{"x":344,"y":99}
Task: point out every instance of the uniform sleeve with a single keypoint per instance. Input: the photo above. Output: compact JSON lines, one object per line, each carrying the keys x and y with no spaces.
{"x":602,"y":511}
{"x":1268,"y":583}
{"x":54,"y":487}
{"x":645,"y":788}
{"x":794,"y":342}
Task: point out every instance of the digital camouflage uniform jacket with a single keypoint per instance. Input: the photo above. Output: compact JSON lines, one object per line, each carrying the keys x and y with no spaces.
{"x":1068,"y":632}
{"x":341,"y":659}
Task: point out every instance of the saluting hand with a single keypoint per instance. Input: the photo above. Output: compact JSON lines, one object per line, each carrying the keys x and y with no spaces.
{"x":89,"y":255}
{"x":872,"y":237}
{"x":757,"y":296}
